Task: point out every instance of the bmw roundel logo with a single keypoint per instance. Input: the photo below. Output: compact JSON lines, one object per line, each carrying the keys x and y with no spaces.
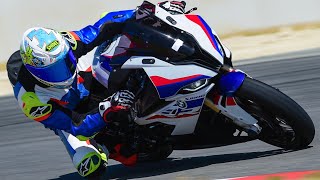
{"x":181,"y":104}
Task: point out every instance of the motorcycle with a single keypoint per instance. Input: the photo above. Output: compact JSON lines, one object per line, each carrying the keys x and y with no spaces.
{"x":189,"y":96}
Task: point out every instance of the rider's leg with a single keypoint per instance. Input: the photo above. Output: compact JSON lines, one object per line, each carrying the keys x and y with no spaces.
{"x":87,"y":157}
{"x":118,"y":151}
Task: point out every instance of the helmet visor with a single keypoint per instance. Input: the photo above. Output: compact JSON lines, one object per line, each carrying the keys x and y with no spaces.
{"x":60,"y":71}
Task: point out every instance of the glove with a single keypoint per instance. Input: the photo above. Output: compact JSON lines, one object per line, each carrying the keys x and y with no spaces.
{"x":119,"y":101}
{"x":122,"y":99}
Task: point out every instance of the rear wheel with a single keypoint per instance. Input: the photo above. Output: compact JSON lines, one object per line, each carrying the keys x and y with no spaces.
{"x":284,"y":123}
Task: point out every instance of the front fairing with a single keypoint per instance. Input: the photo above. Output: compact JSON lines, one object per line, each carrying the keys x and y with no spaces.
{"x":193,"y":27}
{"x":177,"y":39}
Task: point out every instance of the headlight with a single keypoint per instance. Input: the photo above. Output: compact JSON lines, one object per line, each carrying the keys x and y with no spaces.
{"x":195,"y":86}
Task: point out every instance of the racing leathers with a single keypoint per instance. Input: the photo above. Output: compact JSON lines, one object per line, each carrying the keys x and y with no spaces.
{"x":56,"y":108}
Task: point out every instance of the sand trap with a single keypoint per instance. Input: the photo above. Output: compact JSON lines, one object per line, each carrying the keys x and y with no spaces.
{"x":281,"y":40}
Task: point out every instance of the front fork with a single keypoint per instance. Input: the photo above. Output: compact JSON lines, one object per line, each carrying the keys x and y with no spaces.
{"x":223,"y":101}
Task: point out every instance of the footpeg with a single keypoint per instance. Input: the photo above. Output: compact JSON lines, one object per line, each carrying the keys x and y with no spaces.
{"x":254,"y":130}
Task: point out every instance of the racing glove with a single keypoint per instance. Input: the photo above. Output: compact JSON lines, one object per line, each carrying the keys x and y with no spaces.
{"x":119,"y":101}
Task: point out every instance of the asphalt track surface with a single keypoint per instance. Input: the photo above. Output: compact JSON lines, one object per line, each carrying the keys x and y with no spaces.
{"x":29,"y":151}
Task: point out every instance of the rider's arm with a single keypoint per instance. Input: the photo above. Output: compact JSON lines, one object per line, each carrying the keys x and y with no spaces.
{"x":84,"y":125}
{"x":84,"y":40}
{"x":55,"y":116}
{"x":43,"y":105}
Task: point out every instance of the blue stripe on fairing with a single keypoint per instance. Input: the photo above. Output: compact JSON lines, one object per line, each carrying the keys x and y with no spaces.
{"x":105,"y":63}
{"x":16,"y":89}
{"x":108,"y":63}
{"x":171,"y":89}
{"x":211,"y":34}
{"x":194,"y":103}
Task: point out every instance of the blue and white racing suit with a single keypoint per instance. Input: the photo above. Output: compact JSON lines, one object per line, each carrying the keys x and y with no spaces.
{"x":57,"y":108}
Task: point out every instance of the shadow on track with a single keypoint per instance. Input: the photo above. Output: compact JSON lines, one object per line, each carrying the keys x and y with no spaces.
{"x":172,"y":165}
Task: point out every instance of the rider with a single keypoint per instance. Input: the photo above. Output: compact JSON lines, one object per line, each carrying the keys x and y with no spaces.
{"x":50,"y":88}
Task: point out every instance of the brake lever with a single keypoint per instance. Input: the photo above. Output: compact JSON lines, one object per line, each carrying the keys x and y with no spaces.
{"x":191,"y":10}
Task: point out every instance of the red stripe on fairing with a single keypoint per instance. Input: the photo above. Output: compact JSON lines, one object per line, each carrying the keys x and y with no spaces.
{"x":196,"y":19}
{"x":166,"y":117}
{"x":231,"y":101}
{"x":216,"y":99}
{"x":80,"y":80}
{"x":89,"y":69}
{"x":160,"y":81}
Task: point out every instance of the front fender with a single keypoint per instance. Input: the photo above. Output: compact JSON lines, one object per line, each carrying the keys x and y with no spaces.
{"x":229,"y":83}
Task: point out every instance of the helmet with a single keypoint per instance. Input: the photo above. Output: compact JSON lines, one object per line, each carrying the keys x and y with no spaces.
{"x":174,"y":7}
{"x":47,"y":55}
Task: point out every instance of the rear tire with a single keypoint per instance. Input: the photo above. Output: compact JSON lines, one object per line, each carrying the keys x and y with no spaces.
{"x":284,"y":123}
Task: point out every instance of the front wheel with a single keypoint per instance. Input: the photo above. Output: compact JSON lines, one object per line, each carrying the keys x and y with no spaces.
{"x":284,"y":123}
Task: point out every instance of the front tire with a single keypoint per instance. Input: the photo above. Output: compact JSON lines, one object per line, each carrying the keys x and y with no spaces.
{"x":284,"y":123}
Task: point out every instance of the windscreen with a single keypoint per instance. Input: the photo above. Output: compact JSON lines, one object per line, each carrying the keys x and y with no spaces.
{"x":164,"y":36}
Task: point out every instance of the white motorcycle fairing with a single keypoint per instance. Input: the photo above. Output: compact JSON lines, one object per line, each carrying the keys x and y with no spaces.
{"x":170,"y":79}
{"x":197,"y":27}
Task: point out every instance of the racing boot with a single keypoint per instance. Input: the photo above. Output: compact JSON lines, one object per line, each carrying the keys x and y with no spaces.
{"x":94,"y":163}
{"x":89,"y":158}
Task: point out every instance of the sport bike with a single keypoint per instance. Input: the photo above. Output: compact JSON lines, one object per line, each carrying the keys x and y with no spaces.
{"x":189,"y":96}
